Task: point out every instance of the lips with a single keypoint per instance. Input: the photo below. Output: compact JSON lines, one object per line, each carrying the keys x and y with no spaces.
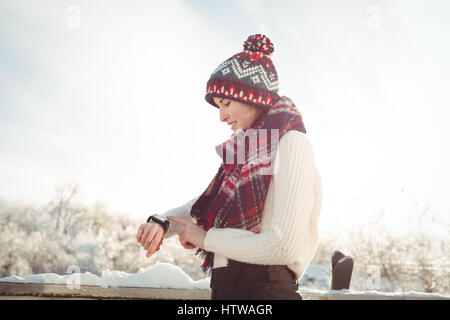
{"x":232,"y":124}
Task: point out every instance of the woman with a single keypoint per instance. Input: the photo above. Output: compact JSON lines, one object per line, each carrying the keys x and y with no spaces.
{"x":256,"y":224}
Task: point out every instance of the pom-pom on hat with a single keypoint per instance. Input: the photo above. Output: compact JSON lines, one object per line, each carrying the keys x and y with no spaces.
{"x":249,"y":76}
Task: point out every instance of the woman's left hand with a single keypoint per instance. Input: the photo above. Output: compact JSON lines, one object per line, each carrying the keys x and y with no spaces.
{"x":191,"y":235}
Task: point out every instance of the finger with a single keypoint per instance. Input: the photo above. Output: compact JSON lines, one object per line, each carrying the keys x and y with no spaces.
{"x":153,"y":230}
{"x":183,"y":242}
{"x":160,"y":244}
{"x":144,"y":236}
{"x":155,"y":242}
{"x":182,"y":235}
{"x":188,"y":245}
{"x":179,"y":220}
{"x":140,"y":232}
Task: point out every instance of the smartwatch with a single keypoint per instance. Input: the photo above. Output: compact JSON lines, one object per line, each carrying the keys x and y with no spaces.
{"x":160,"y":220}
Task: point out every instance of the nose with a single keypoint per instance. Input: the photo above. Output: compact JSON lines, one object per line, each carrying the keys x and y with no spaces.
{"x":223,"y":115}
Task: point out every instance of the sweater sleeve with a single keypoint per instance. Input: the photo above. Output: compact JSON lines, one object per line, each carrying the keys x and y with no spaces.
{"x":290,"y":229}
{"x":182,"y":212}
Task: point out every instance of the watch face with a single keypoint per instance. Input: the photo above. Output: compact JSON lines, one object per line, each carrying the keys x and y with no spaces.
{"x":157,"y":220}
{"x":160,"y":218}
{"x":164,"y":223}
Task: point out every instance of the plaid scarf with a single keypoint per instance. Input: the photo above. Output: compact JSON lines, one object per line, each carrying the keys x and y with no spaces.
{"x":236,"y":196}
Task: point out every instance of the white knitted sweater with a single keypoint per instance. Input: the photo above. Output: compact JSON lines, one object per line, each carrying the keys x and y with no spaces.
{"x":289,"y":227}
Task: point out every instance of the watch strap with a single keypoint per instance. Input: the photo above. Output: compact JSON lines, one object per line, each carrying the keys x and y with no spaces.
{"x":160,"y":220}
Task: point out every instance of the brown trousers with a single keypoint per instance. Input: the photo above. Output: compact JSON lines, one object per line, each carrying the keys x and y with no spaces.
{"x":254,"y":282}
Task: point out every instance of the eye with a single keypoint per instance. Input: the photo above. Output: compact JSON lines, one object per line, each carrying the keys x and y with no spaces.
{"x":227,"y":104}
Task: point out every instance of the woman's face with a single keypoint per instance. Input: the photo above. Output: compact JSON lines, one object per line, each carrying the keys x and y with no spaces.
{"x":237,"y":114}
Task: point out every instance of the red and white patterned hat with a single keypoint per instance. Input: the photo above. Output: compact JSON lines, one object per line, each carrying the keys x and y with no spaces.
{"x":248,"y":76}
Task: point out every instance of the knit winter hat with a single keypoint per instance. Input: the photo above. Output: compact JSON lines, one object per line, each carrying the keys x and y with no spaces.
{"x":249,"y":77}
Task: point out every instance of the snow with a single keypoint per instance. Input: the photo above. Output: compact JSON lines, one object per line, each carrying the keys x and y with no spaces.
{"x":374,"y":293}
{"x":316,"y":280}
{"x":317,"y":276}
{"x":160,"y":275}
{"x":37,"y":278}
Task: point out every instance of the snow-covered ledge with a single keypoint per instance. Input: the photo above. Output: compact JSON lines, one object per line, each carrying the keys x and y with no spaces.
{"x":159,"y":281}
{"x":60,"y":291}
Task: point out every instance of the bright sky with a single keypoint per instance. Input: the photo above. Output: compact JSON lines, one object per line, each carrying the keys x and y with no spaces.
{"x":110,"y":95}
